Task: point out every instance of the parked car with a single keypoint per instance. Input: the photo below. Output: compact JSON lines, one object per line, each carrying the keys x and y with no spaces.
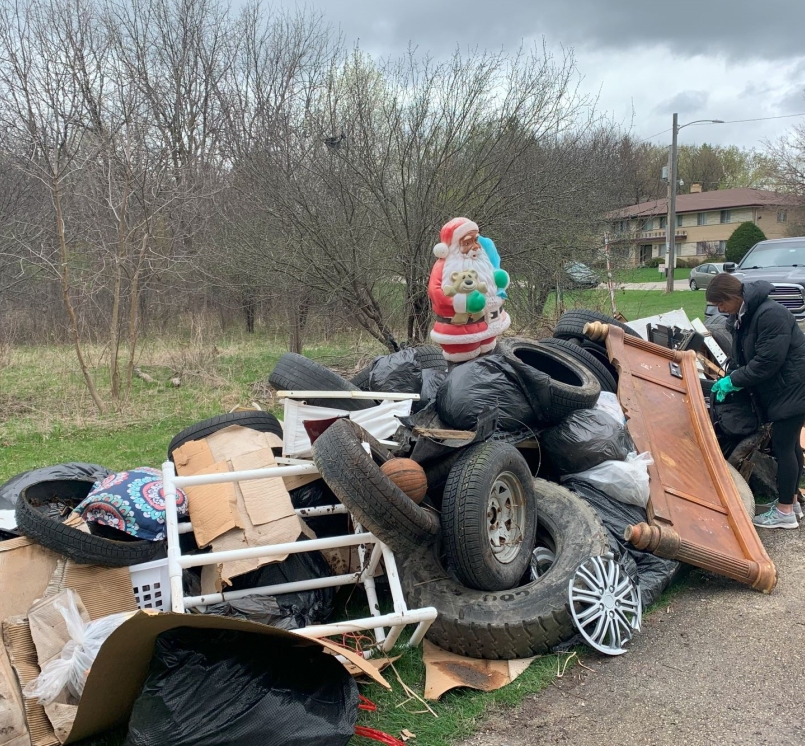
{"x":581,"y":276}
{"x":701,"y":276}
{"x":780,"y":261}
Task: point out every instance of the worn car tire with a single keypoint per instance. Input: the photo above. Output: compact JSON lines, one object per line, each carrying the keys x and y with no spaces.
{"x":86,"y":549}
{"x":373,"y":499}
{"x":296,"y":372}
{"x":586,"y":358}
{"x":744,"y":490}
{"x":573,"y":386}
{"x":521,"y":622}
{"x":477,"y":477}
{"x":571,"y":324}
{"x":263,"y":422}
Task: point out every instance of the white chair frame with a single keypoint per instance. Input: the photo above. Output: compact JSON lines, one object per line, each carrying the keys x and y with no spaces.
{"x":385,"y":627}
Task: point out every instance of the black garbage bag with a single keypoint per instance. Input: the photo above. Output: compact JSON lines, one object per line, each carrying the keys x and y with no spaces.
{"x":432,"y":379}
{"x":402,"y":373}
{"x":231,"y":688}
{"x":735,"y":417}
{"x":10,"y":490}
{"x":519,"y":394}
{"x":288,"y":610}
{"x":653,"y":574}
{"x":316,"y":495}
{"x":584,"y":439}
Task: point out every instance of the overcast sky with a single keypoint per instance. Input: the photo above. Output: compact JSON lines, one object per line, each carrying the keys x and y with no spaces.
{"x":715,"y":59}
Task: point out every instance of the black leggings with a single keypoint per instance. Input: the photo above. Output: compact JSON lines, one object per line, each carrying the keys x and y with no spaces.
{"x":787,"y":450}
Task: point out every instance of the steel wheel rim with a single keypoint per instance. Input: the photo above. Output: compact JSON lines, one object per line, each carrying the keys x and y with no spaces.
{"x":505,"y":517}
{"x":605,"y":604}
{"x":541,"y":560}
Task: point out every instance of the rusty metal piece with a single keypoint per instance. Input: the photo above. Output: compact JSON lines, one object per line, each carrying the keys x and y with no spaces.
{"x":695,"y":513}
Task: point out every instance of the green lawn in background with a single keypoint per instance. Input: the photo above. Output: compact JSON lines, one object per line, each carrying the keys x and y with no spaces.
{"x":633,"y":304}
{"x":645,"y":274}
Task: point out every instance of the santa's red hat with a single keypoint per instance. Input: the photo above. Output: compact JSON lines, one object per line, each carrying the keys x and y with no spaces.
{"x":451,"y":234}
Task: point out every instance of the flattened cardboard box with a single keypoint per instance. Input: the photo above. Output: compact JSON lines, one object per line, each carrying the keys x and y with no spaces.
{"x":109,"y":695}
{"x":25,"y":571}
{"x":236,"y":515}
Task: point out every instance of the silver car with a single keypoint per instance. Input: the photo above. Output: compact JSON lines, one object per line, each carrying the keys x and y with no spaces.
{"x":701,"y":276}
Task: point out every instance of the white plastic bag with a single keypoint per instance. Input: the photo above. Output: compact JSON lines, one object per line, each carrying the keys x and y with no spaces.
{"x":625,"y":481}
{"x":608,"y":402}
{"x":71,"y":668}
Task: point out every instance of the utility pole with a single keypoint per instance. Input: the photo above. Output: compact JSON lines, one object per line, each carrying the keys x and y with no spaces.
{"x":671,"y":220}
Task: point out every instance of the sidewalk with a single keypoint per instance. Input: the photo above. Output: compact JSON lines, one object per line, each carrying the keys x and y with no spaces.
{"x":711,"y":668}
{"x":678,"y":285}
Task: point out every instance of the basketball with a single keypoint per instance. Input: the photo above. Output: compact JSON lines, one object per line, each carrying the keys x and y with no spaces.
{"x":408,"y":475}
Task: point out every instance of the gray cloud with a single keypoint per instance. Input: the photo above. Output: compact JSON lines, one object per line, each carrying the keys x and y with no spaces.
{"x":687,"y":101}
{"x":792,"y":101}
{"x":737,"y":29}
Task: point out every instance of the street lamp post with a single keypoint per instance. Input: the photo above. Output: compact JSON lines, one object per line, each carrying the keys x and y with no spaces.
{"x":670,"y":228}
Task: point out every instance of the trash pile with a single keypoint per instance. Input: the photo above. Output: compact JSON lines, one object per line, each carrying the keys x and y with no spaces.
{"x":488,"y":502}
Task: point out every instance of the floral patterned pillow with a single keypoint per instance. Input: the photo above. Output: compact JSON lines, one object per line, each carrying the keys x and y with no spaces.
{"x":131,"y":501}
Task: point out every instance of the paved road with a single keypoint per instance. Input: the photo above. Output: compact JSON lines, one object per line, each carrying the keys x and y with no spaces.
{"x":678,"y":285}
{"x":711,"y":669}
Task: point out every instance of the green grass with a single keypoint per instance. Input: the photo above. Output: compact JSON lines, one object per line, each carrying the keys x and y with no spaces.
{"x":633,"y":304}
{"x":646,"y":274}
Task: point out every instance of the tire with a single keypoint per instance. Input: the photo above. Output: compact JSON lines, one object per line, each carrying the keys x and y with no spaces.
{"x":693,"y":285}
{"x":586,"y":358}
{"x":599,"y":352}
{"x":263,"y":422}
{"x":573,"y":386}
{"x":86,"y":549}
{"x":361,"y":378}
{"x":296,"y":372}
{"x":437,"y":471}
{"x":744,"y":490}
{"x":475,"y":483}
{"x":372,"y":498}
{"x":75,"y":470}
{"x":571,"y":324}
{"x":527,"y":620}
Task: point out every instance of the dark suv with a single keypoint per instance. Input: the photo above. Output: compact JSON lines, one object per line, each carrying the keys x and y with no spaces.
{"x":780,"y":261}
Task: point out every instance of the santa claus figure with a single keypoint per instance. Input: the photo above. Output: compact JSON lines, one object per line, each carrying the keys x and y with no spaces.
{"x":466,"y":290}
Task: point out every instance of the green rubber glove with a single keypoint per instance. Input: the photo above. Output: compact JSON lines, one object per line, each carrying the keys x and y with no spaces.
{"x":475,"y":302}
{"x":722,"y":387}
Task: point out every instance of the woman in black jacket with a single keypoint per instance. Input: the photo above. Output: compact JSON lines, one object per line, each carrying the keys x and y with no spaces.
{"x":768,"y":357}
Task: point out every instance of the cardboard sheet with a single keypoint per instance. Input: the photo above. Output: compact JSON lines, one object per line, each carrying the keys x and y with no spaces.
{"x":108,"y":696}
{"x":13,"y":728}
{"x":103,"y":590}
{"x":22,"y":654}
{"x":212,"y":507}
{"x":445,"y":671}
{"x":25,"y":570}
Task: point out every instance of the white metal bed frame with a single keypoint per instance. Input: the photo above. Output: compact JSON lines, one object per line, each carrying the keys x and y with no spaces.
{"x":287,"y":467}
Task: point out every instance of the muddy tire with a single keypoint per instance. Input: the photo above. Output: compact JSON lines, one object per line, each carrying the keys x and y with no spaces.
{"x":296,"y":372}
{"x":571,"y":324}
{"x":521,"y":622}
{"x":586,"y":358}
{"x":744,"y":490}
{"x":489,"y":517}
{"x":573,"y":386}
{"x":373,"y":499}
{"x":86,"y":549}
{"x":263,"y":422}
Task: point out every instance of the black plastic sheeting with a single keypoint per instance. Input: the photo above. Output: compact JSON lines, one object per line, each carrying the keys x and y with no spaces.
{"x":316,"y":495}
{"x":584,"y":439}
{"x":653,"y":574}
{"x":402,"y":373}
{"x":288,"y":610}
{"x":228,"y":688}
{"x":519,"y":394}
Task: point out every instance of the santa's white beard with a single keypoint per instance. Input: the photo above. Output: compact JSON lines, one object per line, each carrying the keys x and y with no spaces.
{"x":455,"y":261}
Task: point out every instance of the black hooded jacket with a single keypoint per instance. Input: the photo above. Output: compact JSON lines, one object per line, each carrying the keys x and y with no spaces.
{"x":769,"y":350}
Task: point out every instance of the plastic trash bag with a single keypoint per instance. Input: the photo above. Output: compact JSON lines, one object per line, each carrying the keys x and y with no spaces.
{"x":653,"y":574}
{"x":316,"y":495}
{"x":626,"y":481}
{"x":70,"y":670}
{"x":608,"y":402}
{"x":519,"y":394}
{"x":10,"y":490}
{"x":398,"y":373}
{"x":584,"y":439}
{"x":288,"y":610}
{"x":226,"y":688}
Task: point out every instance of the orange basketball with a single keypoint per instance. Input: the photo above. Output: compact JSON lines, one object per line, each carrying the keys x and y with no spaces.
{"x":408,"y":475}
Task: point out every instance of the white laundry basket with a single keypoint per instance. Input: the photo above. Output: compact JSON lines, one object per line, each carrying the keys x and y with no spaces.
{"x":151,"y":584}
